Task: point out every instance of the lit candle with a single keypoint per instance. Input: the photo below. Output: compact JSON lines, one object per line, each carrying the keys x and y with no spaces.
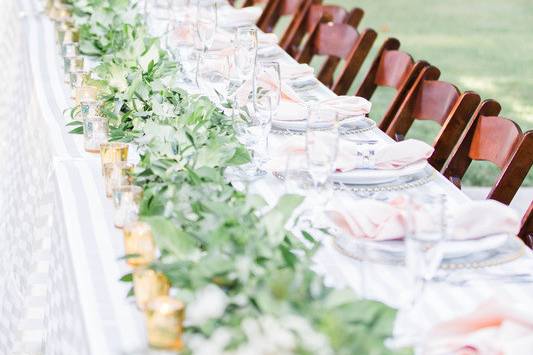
{"x":116,"y":174}
{"x":164,"y":322}
{"x":113,"y":152}
{"x":147,"y":285}
{"x":126,"y":200}
{"x":95,"y":132}
{"x":138,"y":240}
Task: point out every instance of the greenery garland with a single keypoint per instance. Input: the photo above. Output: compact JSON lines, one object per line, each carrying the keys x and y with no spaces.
{"x":245,"y":278}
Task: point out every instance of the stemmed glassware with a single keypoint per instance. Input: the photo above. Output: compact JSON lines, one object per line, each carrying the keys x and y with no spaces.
{"x":206,"y":24}
{"x":322,"y":142}
{"x":157,"y":14}
{"x":266,"y":95}
{"x":244,"y":58}
{"x":426,"y":229}
{"x":180,"y":42}
{"x":212,"y":76}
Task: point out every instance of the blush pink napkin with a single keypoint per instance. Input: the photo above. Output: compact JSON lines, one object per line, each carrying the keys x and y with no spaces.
{"x":288,"y":95}
{"x":493,"y":329}
{"x":482,"y":218}
{"x":369,"y":219}
{"x":387,"y":156}
{"x":345,"y":106}
{"x":383,"y":221}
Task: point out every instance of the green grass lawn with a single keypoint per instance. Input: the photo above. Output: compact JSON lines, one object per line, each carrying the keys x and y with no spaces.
{"x":480,"y":45}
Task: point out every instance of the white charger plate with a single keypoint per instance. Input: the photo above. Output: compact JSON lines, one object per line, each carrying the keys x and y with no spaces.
{"x":377,"y":176}
{"x":300,"y":120}
{"x":452,"y":248}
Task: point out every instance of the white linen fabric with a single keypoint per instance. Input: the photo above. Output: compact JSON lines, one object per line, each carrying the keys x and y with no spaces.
{"x":59,"y":288}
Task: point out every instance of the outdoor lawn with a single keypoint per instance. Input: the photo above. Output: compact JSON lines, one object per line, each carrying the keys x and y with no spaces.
{"x":480,"y":45}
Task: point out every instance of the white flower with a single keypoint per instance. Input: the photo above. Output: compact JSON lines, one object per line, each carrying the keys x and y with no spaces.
{"x":209,"y":303}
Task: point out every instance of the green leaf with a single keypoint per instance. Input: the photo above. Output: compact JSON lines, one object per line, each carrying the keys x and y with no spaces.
{"x":171,"y":239}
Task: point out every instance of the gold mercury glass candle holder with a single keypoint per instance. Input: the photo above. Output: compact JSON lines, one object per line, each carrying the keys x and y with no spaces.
{"x":138,"y":240}
{"x":77,"y":78}
{"x":147,"y":285}
{"x":116,"y":174}
{"x":95,"y":132}
{"x":73,"y":63}
{"x":85,"y":95}
{"x":113,"y":152}
{"x":164,"y":323}
{"x":126,"y":200}
{"x":70,"y":50}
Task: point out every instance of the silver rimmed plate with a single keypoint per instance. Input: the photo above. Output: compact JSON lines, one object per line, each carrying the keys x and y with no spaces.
{"x":352,"y":127}
{"x":491,"y":250}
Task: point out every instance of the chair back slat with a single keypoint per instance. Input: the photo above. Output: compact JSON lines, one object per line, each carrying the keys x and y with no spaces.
{"x":394,"y":68}
{"x":335,"y":39}
{"x":494,"y":140}
{"x":526,"y":230}
{"x":435,"y":101}
{"x":325,"y":13}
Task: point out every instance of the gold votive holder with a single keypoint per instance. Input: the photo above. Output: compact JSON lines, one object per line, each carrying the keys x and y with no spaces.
{"x":127,"y":200}
{"x":77,"y":78}
{"x":70,"y":50}
{"x":95,"y":132}
{"x":86,"y":94}
{"x":116,"y":174}
{"x":164,"y":323}
{"x":147,"y":285}
{"x":74,"y":63}
{"x":113,"y":152}
{"x":138,"y":240}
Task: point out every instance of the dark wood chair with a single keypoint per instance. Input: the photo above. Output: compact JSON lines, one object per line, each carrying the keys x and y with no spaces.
{"x":497,"y":140}
{"x":276,"y":9}
{"x":309,"y":16}
{"x":526,"y":231}
{"x":338,"y":41}
{"x":438,"y":101}
{"x":390,"y":68}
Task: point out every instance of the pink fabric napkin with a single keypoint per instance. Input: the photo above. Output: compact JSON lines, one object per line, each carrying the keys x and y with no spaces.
{"x":482,"y":218}
{"x":387,"y":156}
{"x":288,"y":95}
{"x":493,"y":329}
{"x":345,"y":106}
{"x":369,"y":219}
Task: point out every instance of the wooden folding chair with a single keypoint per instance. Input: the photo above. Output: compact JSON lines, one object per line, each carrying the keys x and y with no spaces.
{"x":498,"y":140}
{"x":275,"y":9}
{"x":307,"y":18}
{"x":390,"y":68}
{"x":338,"y":41}
{"x":438,"y":101}
{"x":526,"y":230}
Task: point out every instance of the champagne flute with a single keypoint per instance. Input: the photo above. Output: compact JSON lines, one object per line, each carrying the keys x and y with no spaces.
{"x":212,"y":76}
{"x":206,"y":23}
{"x":180,"y":42}
{"x":244,"y":58}
{"x":322,"y":141}
{"x":266,"y":97}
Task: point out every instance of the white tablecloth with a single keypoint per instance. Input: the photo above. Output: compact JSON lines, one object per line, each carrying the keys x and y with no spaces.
{"x":59,"y":288}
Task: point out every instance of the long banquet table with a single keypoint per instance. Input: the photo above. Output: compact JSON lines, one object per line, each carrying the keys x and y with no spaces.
{"x":59,"y":277}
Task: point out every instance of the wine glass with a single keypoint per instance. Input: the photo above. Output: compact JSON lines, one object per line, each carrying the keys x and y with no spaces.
{"x":206,"y":23}
{"x":244,"y":57}
{"x":212,"y":76}
{"x":157,"y":15}
{"x":180,"y":43}
{"x":426,"y":229}
{"x":266,"y":95}
{"x":322,"y":141}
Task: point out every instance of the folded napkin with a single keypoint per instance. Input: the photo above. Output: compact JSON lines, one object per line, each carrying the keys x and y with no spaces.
{"x":387,"y":156}
{"x":348,"y":105}
{"x":295,"y":71}
{"x":492,"y":329}
{"x":288,"y":95}
{"x":482,"y":218}
{"x":232,"y":17}
{"x":386,"y":220}
{"x":345,"y":106}
{"x":369,"y":219}
{"x":224,"y":40}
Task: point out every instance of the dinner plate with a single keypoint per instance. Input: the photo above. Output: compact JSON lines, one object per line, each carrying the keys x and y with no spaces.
{"x":300,"y":121}
{"x":457,"y":254}
{"x":377,"y":176}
